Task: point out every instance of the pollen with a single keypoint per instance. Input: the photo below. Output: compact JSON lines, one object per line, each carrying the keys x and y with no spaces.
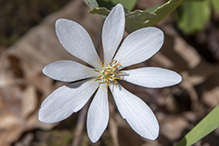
{"x":108,"y":73}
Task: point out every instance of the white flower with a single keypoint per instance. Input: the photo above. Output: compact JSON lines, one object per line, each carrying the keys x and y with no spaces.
{"x":136,"y":48}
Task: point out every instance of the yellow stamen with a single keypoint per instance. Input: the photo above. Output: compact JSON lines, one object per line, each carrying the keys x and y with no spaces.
{"x":102,"y":82}
{"x":108,"y":73}
{"x":102,"y":63}
{"x":115,"y":82}
{"x":117,"y":78}
{"x":114,"y":62}
{"x":96,"y":70}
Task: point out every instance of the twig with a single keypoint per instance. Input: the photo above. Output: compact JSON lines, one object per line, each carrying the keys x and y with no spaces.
{"x":80,"y":126}
{"x":113,"y":125}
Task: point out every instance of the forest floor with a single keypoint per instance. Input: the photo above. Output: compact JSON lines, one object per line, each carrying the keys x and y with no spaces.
{"x":33,"y":44}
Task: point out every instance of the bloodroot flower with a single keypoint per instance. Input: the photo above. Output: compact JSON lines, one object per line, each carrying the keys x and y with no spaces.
{"x":136,"y":48}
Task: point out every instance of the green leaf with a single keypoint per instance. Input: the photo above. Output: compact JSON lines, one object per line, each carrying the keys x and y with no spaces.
{"x":215,"y":4}
{"x":203,"y":128}
{"x":129,"y":4}
{"x":134,"y":20}
{"x":152,"y":9}
{"x":164,"y":10}
{"x":102,"y":11}
{"x":91,"y":3}
{"x":139,"y":18}
{"x":193,"y":15}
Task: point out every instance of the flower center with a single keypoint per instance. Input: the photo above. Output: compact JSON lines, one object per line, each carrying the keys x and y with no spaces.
{"x":108,"y":73}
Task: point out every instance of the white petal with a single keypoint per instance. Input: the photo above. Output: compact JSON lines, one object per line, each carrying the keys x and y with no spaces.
{"x":138,"y":115}
{"x":68,"y":71}
{"x":75,"y":39}
{"x":113,"y":30}
{"x":98,"y":114}
{"x":152,"y":77}
{"x":65,"y":100}
{"x":139,"y":46}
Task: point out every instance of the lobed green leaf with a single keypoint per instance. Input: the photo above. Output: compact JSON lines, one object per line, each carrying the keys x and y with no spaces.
{"x":139,"y":19}
{"x":129,"y":4}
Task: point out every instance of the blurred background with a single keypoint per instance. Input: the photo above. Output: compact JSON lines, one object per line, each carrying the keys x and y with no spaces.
{"x":28,"y":42}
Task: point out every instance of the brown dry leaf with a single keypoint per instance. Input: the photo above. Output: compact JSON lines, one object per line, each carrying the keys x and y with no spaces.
{"x":173,"y":126}
{"x":40,"y":45}
{"x":211,"y":97}
{"x":6,"y":75}
{"x":29,"y":101}
{"x":22,"y":84}
{"x":10,"y":128}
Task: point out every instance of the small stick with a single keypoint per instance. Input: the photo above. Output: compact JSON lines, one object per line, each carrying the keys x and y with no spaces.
{"x":113,"y":125}
{"x":80,"y":126}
